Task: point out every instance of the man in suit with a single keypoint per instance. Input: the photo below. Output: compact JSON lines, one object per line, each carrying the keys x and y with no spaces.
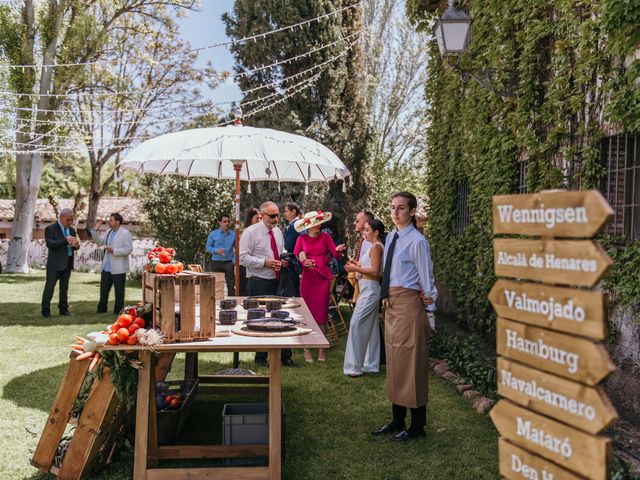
{"x":61,"y":241}
{"x":260,"y":247}
{"x":118,"y":245}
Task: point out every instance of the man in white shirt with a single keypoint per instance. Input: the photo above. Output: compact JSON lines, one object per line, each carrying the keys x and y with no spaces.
{"x":115,"y":264}
{"x":260,"y":247}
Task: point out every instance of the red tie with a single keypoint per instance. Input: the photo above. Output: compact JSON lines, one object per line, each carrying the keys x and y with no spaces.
{"x":276,"y":254}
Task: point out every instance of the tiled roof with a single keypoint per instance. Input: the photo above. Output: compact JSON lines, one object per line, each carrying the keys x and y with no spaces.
{"x":130,"y":208}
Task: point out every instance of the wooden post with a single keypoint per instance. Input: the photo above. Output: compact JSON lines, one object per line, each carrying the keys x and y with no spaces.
{"x":237,"y":166}
{"x":275,"y":415}
{"x":142,"y":417}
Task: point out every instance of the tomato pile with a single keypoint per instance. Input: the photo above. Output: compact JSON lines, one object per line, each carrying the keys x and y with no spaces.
{"x":167,"y":400}
{"x":161,"y":261}
{"x":124,"y":329}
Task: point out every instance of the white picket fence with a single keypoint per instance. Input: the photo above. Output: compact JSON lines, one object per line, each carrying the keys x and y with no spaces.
{"x":88,"y":258}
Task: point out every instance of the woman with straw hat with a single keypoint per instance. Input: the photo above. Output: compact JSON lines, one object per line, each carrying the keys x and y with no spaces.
{"x":314,"y":251}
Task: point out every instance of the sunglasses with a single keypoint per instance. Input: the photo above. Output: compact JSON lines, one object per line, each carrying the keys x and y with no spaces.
{"x":271,"y":215}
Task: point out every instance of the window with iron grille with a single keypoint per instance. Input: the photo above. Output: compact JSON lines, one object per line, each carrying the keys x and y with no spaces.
{"x":620,"y":157}
{"x":523,"y":167}
{"x":463,"y":215}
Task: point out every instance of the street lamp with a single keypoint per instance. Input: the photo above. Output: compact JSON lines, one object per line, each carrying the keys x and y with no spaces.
{"x":452,"y":31}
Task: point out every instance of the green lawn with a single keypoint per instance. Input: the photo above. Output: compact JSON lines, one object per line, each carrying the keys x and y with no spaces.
{"x":328,"y":415}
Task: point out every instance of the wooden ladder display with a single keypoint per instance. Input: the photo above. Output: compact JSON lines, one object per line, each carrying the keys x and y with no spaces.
{"x":93,"y":444}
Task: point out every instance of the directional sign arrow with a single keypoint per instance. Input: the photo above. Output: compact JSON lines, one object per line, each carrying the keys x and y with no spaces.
{"x":565,"y":262}
{"x":557,"y":214}
{"x":586,"y":408}
{"x":516,"y":464}
{"x":568,"y":356}
{"x":562,"y":309}
{"x":585,"y":454}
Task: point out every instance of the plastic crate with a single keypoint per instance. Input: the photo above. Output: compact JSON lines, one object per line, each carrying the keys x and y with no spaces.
{"x":170,"y":422}
{"x":247,"y":424}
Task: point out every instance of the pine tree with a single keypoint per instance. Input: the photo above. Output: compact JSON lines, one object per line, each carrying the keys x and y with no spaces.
{"x":331,"y":111}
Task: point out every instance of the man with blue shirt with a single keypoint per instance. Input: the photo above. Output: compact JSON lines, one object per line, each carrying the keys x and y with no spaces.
{"x":61,"y":241}
{"x":221,"y":245}
{"x":118,"y":245}
{"x":292,"y":213}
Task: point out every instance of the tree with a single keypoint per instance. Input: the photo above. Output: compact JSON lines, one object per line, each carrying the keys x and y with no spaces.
{"x":332,"y":109}
{"x":66,"y":32}
{"x":159,"y":83}
{"x":182,"y":211}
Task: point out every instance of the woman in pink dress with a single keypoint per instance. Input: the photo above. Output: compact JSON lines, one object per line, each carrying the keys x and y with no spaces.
{"x":314,"y":250}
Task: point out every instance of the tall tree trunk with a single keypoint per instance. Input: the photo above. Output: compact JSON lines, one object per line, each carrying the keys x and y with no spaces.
{"x":28,"y":175}
{"x":29,"y":165}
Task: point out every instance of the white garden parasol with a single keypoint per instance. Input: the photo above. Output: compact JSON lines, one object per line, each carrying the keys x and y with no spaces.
{"x":241,"y":153}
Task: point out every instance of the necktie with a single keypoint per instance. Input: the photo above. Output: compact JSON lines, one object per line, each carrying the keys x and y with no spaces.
{"x":386,"y":275}
{"x":359,"y":248}
{"x":276,"y":254}
{"x":67,"y":233}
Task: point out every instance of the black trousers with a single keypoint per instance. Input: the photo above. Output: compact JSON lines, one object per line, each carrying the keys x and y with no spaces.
{"x":53,"y":276}
{"x":107,"y":279}
{"x":418,"y":417}
{"x":227,"y":268}
{"x":262,"y":286}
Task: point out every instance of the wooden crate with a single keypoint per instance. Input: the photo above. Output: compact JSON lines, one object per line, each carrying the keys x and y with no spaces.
{"x":93,"y":444}
{"x":147,"y":286}
{"x":185,"y":291}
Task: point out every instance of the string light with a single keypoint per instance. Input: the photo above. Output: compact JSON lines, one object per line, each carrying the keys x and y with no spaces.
{"x":49,"y":150}
{"x":195,"y":50}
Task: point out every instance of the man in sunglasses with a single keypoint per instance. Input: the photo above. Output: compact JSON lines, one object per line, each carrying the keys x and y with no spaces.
{"x":260,"y":247}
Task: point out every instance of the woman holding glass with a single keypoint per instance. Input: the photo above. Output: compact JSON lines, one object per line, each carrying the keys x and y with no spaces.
{"x":362,"y":354}
{"x":314,"y":251}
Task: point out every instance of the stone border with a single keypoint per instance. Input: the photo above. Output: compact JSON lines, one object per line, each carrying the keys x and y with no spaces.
{"x":481,"y":403}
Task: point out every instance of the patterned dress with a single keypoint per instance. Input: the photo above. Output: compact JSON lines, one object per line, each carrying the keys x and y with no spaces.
{"x":315,"y":282}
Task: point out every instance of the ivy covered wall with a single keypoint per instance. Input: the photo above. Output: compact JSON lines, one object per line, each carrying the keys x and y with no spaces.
{"x":551,"y":80}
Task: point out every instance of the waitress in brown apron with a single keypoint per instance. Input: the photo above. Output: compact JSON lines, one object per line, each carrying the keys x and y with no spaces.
{"x":408,"y":288}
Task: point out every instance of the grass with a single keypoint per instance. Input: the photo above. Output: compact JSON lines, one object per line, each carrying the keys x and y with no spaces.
{"x":328,"y":415}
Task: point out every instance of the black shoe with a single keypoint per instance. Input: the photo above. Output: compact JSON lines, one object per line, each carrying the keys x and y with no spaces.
{"x":287,"y":362}
{"x":66,"y":314}
{"x":406,"y":435}
{"x":387,"y":429}
{"x":46,"y":315}
{"x":261,"y":363}
{"x":101,"y":311}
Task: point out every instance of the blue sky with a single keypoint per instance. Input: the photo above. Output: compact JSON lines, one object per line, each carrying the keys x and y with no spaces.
{"x":203,"y":28}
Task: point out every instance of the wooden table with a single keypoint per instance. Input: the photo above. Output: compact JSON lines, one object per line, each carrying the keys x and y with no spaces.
{"x":147,"y":451}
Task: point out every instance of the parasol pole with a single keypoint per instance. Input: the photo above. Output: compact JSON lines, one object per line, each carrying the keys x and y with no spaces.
{"x":237,"y":166}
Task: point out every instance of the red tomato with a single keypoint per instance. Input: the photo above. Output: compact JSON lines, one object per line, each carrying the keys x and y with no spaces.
{"x":123,"y":334}
{"x":132,"y":340}
{"x":133,"y":327}
{"x":146,"y":267}
{"x":180,"y":267}
{"x":175,"y":403}
{"x":114,"y":328}
{"x":171,"y":251}
{"x":133,"y":312}
{"x":164,"y":257}
{"x":150,"y":255}
{"x":160,"y":268}
{"x":168,"y":399}
{"x":125,"y":320}
{"x":171,"y":268}
{"x":139,"y":321}
{"x":113,"y":339}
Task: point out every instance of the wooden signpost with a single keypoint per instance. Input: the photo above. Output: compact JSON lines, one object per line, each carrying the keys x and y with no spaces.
{"x":565,"y":355}
{"x":558,"y":214}
{"x":564,"y":262}
{"x":586,"y":408}
{"x":518,"y":464}
{"x":561,"y":309}
{"x":569,"y":448}
{"x":547,"y":336}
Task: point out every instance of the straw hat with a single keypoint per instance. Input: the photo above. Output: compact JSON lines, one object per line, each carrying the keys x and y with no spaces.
{"x":311,"y":219}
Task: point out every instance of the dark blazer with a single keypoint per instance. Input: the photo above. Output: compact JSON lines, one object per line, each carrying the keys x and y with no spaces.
{"x":57,"y":244}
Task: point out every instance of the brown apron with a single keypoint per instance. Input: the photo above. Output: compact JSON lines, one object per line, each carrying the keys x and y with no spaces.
{"x":406,"y":342}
